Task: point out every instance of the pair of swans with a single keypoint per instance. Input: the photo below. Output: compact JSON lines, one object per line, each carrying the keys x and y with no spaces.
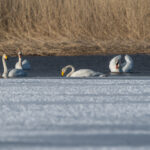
{"x":17,"y":71}
{"x":115,"y":65}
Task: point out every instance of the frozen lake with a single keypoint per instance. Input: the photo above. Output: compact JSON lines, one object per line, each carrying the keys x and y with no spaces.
{"x":107,"y":113}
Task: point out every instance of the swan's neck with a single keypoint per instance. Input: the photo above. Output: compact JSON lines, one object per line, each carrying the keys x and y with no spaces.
{"x":5,"y":68}
{"x":127,"y":65}
{"x":20,"y":63}
{"x":72,"y":70}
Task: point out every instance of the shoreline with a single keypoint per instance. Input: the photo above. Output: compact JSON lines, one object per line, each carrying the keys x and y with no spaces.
{"x":76,"y":54}
{"x":73,"y":48}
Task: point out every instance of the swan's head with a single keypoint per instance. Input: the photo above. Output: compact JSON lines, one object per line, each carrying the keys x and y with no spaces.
{"x":114,"y":64}
{"x":63,"y":71}
{"x":5,"y":57}
{"x":19,"y":54}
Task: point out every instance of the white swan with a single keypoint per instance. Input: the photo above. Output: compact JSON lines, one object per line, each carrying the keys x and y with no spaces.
{"x":13,"y":72}
{"x":115,"y":64}
{"x":25,"y":63}
{"x":79,"y":73}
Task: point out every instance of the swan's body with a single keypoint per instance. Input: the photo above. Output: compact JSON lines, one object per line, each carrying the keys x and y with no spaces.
{"x":13,"y":72}
{"x":80,"y":73}
{"x":25,"y":63}
{"x":114,"y":64}
{"x":16,"y":73}
{"x":124,"y":67}
{"x":84,"y":73}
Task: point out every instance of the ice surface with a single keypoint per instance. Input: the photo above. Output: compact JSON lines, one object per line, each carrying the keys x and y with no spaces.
{"x":106,"y":113}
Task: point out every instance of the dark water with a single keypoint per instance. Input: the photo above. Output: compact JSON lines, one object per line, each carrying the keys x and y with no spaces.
{"x":50,"y":66}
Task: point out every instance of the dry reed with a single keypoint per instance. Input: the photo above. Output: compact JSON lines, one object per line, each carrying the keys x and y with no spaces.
{"x":74,"y":27}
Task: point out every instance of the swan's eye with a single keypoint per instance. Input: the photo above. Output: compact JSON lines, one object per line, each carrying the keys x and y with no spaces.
{"x":62,"y":73}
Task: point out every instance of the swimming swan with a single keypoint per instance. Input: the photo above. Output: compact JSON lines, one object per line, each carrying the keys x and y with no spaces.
{"x":115,"y":64}
{"x":79,"y":73}
{"x":13,"y":72}
{"x":25,"y":63}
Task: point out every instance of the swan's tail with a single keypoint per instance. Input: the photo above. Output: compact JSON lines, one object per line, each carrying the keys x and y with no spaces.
{"x":103,"y":75}
{"x":99,"y":74}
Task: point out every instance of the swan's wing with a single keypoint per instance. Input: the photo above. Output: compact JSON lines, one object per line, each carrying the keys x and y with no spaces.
{"x":26,"y":65}
{"x":103,"y":75}
{"x":84,"y":73}
{"x":116,"y":58}
{"x":98,"y":74}
{"x":17,"y":73}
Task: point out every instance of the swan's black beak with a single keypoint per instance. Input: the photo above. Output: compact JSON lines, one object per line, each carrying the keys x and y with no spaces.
{"x":62,"y":73}
{"x":117,"y":65}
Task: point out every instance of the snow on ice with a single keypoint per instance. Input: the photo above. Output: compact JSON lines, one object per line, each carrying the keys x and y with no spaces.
{"x":93,"y":113}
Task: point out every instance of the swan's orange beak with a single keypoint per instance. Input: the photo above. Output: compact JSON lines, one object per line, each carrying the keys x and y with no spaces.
{"x":62,"y":73}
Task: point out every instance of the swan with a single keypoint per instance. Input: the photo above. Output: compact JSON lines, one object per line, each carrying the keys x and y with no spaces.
{"x":13,"y":72}
{"x":115,"y":64}
{"x":25,"y":63}
{"x":79,"y":73}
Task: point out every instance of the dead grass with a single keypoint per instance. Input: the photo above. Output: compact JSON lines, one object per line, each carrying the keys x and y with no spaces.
{"x":74,"y":27}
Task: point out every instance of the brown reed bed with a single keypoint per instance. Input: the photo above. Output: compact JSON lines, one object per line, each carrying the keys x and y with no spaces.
{"x":74,"y":27}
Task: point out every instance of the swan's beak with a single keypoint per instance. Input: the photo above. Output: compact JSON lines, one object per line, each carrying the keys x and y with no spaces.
{"x":6,"y":57}
{"x":117,"y":65}
{"x":62,"y":73}
{"x":20,"y":55}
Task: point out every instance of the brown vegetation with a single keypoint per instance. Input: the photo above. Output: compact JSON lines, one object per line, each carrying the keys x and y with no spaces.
{"x":74,"y":27}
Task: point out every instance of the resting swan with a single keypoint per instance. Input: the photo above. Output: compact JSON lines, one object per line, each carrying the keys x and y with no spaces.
{"x":25,"y":63}
{"x":79,"y":73}
{"x":116,"y":66}
{"x":13,"y":72}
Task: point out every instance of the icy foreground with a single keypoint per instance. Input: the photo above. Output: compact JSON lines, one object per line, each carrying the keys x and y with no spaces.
{"x":75,"y":114}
